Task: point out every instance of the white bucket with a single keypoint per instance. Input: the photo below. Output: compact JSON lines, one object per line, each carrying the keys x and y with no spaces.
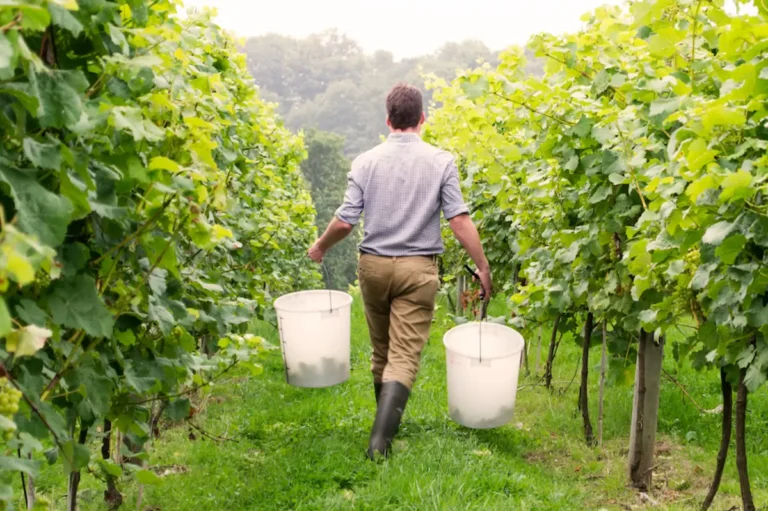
{"x":483,"y":363}
{"x":314,"y":337}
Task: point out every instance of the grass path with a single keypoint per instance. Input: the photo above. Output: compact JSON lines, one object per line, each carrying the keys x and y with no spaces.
{"x":304,"y":449}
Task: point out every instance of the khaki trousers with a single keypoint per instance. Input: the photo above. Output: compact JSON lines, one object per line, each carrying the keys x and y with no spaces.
{"x":399,"y":296}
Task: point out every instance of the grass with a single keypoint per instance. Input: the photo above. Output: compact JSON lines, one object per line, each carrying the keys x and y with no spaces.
{"x":303,"y":449}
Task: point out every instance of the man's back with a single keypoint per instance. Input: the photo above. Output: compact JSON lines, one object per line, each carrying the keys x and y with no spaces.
{"x":400,"y":187}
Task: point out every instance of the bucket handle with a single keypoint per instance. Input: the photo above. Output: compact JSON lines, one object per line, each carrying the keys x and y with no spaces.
{"x":328,"y":280}
{"x":483,"y":312}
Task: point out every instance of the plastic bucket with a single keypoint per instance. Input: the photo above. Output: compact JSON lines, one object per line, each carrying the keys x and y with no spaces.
{"x":483,"y":364}
{"x":314,"y":337}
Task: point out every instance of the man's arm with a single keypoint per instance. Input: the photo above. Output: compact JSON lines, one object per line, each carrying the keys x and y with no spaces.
{"x":457,"y":214}
{"x":336,"y":231}
{"x":466,"y":232}
{"x":347,"y":216}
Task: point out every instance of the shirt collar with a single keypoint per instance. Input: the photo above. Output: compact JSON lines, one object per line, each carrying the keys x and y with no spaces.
{"x":403,"y":137}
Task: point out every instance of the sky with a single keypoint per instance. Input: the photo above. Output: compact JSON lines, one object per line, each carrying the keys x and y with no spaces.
{"x":406,"y":28}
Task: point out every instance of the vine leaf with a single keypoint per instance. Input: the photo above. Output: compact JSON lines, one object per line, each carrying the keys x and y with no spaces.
{"x":5,"y":319}
{"x":42,"y":154}
{"x":63,"y":18}
{"x":41,"y":213}
{"x":717,"y":232}
{"x":58,"y":95}
{"x":27,"y":341}
{"x":75,"y":303}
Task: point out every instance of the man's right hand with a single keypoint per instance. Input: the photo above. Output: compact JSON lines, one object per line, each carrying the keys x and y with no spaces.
{"x":486,"y":283}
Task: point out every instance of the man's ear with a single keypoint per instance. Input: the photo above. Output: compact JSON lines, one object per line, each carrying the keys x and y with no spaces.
{"x":389,"y":124}
{"x":423,"y":118}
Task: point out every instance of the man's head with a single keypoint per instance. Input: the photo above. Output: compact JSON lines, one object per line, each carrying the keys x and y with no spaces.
{"x":405,"y":111}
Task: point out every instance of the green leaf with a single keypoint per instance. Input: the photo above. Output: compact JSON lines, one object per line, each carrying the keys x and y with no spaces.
{"x":757,"y":315}
{"x":109,"y":467}
{"x":24,"y":92}
{"x":701,"y":277}
{"x":716,"y":233}
{"x":5,"y":319}
{"x":30,"y":313}
{"x":7,"y":55}
{"x":157,"y":281}
{"x":127,"y":338}
{"x":40,"y":212}
{"x":34,"y":17}
{"x":43,"y":155}
{"x":476,"y":88}
{"x":698,"y":155}
{"x":583,"y":128}
{"x":148,"y":477}
{"x":665,"y":107}
{"x":721,"y":116}
{"x":63,"y":18}
{"x":75,"y":303}
{"x":75,"y":258}
{"x":161,"y":162}
{"x":601,"y":194}
{"x":58,"y":94}
{"x":639,"y":286}
{"x":74,"y":456}
{"x":178,"y":409}
{"x":163,"y":317}
{"x":14,"y":464}
{"x":730,"y":249}
{"x":695,"y":189}
{"x":754,"y":378}
{"x":737,"y":186}
{"x":118,"y":38}
{"x":131,"y":121}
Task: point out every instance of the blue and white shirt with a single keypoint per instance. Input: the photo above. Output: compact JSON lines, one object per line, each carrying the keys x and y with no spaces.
{"x":401,"y":186}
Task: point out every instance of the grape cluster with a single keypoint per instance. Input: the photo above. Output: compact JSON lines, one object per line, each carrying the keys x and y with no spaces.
{"x":692,"y":260}
{"x":9,"y":405}
{"x":42,"y":278}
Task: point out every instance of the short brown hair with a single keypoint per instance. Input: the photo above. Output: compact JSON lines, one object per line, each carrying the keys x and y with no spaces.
{"x":404,"y":106}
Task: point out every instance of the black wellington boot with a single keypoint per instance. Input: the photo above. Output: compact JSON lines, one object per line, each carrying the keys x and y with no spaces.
{"x":377,"y":390}
{"x":394,"y":395}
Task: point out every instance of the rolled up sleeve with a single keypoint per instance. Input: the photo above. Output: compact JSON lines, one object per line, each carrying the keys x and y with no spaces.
{"x":452,"y":200}
{"x":352,"y":207}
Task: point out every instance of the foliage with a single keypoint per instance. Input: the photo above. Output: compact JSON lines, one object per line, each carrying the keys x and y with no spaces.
{"x":627,"y":181}
{"x":151,"y":205}
{"x":325,"y":170}
{"x":326,"y":81}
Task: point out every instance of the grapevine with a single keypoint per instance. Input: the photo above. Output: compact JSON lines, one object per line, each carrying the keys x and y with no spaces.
{"x":151,"y":205}
{"x":627,"y":183}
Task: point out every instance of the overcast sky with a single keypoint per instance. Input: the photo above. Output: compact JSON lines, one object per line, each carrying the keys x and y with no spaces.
{"x":405,"y":27}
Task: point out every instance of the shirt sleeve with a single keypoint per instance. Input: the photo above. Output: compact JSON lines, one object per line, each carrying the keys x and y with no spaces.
{"x":352,"y":207}
{"x":452,"y":200}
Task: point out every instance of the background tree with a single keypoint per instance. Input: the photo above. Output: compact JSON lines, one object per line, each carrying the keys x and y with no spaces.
{"x":326,"y":81}
{"x":325,"y":169}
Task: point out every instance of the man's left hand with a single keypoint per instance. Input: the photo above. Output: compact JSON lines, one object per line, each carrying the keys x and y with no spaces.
{"x":316,"y":253}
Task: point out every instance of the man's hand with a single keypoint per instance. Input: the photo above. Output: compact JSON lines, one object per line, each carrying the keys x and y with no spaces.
{"x":316,"y":253}
{"x":486,"y":283}
{"x":336,"y":231}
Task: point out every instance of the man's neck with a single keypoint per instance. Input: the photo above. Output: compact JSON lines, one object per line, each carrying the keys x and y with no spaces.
{"x":415,"y":131}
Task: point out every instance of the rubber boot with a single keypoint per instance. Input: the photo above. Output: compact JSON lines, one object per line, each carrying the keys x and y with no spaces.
{"x":392,"y":400}
{"x":377,"y":390}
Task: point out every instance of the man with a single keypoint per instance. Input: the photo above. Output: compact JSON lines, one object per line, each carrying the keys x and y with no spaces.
{"x":400,"y":187}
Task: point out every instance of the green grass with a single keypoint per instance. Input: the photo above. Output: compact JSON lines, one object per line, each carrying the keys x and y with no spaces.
{"x":304,"y":449}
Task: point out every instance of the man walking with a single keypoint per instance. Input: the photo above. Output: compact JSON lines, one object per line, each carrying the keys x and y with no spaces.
{"x":400,"y":187}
